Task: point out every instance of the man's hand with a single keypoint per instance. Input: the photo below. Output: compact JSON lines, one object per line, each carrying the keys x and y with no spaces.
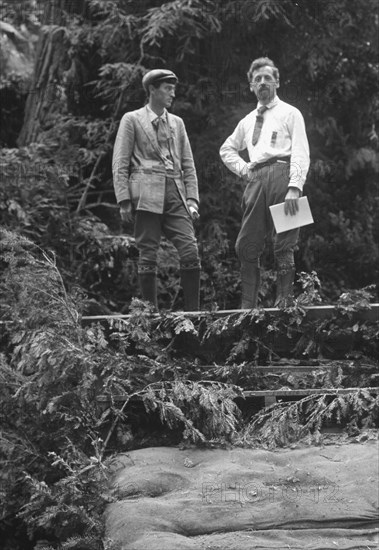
{"x":247,"y":171}
{"x":126,"y":211}
{"x":291,"y":202}
{"x":193,"y":208}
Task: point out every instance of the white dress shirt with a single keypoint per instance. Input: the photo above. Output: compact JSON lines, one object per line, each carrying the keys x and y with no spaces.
{"x":283,"y":135}
{"x":153,"y":116}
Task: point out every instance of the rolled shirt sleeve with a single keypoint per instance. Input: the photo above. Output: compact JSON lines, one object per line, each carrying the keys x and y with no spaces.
{"x":229,"y":151}
{"x":299,"y":150}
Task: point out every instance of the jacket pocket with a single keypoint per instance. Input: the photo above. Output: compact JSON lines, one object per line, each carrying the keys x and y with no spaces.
{"x":135,"y":183}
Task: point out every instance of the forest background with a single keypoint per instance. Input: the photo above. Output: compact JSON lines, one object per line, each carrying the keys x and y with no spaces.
{"x":59,"y":124}
{"x":70,"y":71}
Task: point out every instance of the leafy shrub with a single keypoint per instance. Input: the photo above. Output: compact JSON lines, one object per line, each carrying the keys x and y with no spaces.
{"x":56,"y":433}
{"x":283,"y":424}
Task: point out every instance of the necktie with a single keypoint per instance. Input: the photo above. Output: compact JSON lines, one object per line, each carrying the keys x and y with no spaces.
{"x":258,"y":124}
{"x":161,"y":130}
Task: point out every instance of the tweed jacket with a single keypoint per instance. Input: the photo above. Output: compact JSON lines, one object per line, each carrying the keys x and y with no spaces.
{"x":138,"y":169}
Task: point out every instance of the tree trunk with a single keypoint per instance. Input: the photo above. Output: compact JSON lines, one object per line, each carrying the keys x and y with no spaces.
{"x":46,"y":96}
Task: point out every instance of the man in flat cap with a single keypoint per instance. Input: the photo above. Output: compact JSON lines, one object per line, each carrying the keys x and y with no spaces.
{"x":155,"y":184}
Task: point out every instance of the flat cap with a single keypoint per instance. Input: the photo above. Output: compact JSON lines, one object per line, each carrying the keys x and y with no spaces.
{"x":158,"y":75}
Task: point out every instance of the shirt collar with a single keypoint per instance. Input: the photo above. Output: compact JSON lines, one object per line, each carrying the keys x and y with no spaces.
{"x":272,"y":103}
{"x":153,"y":116}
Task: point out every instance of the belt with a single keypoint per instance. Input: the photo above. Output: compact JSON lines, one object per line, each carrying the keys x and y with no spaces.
{"x":272,"y":160}
{"x":172,"y":174}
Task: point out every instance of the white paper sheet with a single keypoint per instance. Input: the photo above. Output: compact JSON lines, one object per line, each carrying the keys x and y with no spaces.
{"x":283,"y":222}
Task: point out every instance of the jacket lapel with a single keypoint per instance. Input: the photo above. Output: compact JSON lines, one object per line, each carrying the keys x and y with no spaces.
{"x":173,"y":130}
{"x":171,"y":124}
{"x":147,"y":127}
{"x":145,"y":123}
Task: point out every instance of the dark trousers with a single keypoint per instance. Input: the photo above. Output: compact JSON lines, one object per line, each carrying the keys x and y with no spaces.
{"x":268,"y":186}
{"x":175,"y":224}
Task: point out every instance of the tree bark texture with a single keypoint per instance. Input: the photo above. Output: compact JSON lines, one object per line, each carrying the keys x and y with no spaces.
{"x":46,"y":95}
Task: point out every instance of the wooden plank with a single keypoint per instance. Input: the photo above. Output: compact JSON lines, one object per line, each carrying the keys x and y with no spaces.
{"x":291,"y":368}
{"x":312,"y":312}
{"x":272,"y":393}
{"x":281,"y":368}
{"x":306,"y":391}
{"x":271,"y":396}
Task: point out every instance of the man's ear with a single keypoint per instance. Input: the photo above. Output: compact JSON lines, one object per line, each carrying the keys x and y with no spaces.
{"x":277,"y":84}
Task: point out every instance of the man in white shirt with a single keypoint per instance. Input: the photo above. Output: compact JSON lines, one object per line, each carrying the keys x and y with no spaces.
{"x":275,"y":138}
{"x":155,"y":183}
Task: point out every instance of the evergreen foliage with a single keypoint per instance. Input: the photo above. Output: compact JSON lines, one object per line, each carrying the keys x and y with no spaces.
{"x":288,"y":422}
{"x":71,"y":394}
{"x":328,"y":69}
{"x":55,"y":434}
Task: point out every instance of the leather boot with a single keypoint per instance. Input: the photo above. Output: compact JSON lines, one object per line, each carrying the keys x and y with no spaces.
{"x":250,"y":280}
{"x":284,"y":287}
{"x":190,"y":281}
{"x":148,"y":286}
